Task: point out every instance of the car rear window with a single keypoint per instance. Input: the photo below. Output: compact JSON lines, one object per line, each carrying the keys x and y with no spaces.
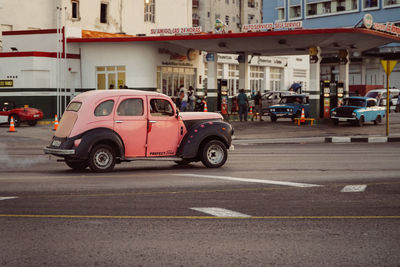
{"x":104,"y":109}
{"x":131,"y":107}
{"x":372,"y":94}
{"x":74,"y":106}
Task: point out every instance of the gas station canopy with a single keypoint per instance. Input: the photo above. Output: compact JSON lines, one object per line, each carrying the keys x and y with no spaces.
{"x":270,"y":43}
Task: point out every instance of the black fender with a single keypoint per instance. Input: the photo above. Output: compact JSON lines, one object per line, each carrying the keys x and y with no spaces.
{"x":99,"y":135}
{"x":202,"y":131}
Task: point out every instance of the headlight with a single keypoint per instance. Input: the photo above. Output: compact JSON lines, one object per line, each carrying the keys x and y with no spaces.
{"x":354,"y":114}
{"x":272,"y":109}
{"x":333,"y":113}
{"x":289,"y":110}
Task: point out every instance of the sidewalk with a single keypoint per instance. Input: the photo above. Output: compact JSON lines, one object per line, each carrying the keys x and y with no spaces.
{"x":246,"y":133}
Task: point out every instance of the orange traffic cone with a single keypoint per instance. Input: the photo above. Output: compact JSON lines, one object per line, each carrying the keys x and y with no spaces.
{"x":302,"y":118}
{"x":205,"y":106}
{"x":12,"y":127}
{"x":55,"y":123}
{"x":251,"y":111}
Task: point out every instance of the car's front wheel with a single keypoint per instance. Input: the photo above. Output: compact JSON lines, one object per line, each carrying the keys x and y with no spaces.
{"x":274,"y":118}
{"x":214,"y":154}
{"x":102,"y":158}
{"x":77,"y":165}
{"x":32,"y":123}
{"x":378,"y":120}
{"x":360,"y":121}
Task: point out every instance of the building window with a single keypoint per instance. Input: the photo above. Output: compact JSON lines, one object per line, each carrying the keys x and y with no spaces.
{"x":103,"y":13}
{"x":227,"y":20}
{"x":110,"y":77}
{"x":392,"y":2}
{"x":75,"y":9}
{"x":275,"y":79}
{"x":251,"y":3}
{"x":295,"y":12}
{"x":250,"y":18}
{"x":370,"y":3}
{"x":149,"y":11}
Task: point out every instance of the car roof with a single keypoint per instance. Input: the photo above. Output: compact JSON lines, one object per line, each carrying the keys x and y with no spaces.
{"x":361,"y":98}
{"x":383,"y":90}
{"x":96,"y":95}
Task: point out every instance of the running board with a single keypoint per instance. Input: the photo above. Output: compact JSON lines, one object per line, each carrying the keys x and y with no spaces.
{"x":155,"y":158}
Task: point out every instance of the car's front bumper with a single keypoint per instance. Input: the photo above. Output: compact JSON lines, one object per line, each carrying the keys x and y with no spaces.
{"x":343,"y":118}
{"x":59,"y":152}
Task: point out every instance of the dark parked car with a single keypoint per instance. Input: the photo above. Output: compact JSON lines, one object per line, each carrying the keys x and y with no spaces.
{"x":25,"y":114}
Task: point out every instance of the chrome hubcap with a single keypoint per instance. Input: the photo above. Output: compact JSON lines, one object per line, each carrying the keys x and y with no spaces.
{"x":102,"y":159}
{"x":215,"y":154}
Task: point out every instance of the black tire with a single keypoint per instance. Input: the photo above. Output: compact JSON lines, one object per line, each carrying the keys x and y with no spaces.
{"x":102,"y":158}
{"x":214,"y":154}
{"x":360,"y":122}
{"x":273,"y":118}
{"x":77,"y":165}
{"x":335,"y":121}
{"x":32,"y":123}
{"x":378,"y":120}
{"x":17,"y":121}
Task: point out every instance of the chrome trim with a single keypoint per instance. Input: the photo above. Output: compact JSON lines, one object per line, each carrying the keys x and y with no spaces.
{"x":57,"y":151}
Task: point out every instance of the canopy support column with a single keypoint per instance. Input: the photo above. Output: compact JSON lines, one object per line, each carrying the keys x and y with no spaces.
{"x":244,"y":81}
{"x":315,"y":83}
{"x":212,"y":75}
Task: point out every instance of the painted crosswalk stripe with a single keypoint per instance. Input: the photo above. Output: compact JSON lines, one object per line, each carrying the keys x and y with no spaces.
{"x":5,"y":198}
{"x":247,"y":180}
{"x":353,"y":188}
{"x":220,"y":212}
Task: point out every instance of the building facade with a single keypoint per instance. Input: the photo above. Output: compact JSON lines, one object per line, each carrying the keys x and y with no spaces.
{"x":365,"y":69}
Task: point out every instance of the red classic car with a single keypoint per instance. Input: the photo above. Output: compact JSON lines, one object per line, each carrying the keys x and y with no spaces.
{"x":30,"y":115}
{"x":102,"y":128}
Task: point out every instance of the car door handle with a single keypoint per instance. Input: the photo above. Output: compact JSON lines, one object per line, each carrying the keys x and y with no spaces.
{"x":119,"y":121}
{"x":152,"y":121}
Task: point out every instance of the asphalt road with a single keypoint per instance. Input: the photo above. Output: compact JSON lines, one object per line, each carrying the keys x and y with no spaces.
{"x":270,"y":205}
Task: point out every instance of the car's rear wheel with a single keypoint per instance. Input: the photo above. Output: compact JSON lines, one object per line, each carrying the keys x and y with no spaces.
{"x":77,"y":165}
{"x":214,"y":154}
{"x":102,"y":158}
{"x":378,"y":120}
{"x":360,"y":121}
{"x":17,"y":120}
{"x":32,"y":123}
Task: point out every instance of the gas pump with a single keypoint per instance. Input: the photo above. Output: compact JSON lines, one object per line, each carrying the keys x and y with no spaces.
{"x":222,"y":101}
{"x":325,"y":99}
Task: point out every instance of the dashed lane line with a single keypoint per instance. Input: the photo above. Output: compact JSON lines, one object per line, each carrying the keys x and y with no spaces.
{"x":354,"y":188}
{"x":247,"y":180}
{"x":220,"y":212}
{"x":5,"y":198}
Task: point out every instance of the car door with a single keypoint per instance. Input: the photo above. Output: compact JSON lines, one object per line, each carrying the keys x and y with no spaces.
{"x":163,"y":128}
{"x":130,"y":122}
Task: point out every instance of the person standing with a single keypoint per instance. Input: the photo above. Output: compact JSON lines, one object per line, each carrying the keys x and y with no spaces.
{"x":191,"y":99}
{"x":183,"y":97}
{"x":243,"y":105}
{"x":257,"y":106}
{"x":398,"y":103}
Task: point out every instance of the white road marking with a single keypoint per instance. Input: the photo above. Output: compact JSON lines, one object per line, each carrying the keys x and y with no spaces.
{"x":377,"y":139}
{"x":246,"y":180}
{"x":220,"y":212}
{"x":353,"y":188}
{"x":5,"y":198}
{"x":341,"y":140}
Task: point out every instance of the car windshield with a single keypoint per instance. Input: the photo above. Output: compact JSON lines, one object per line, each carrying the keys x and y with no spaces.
{"x":292,"y":100}
{"x":354,"y":102}
{"x":372,"y":94}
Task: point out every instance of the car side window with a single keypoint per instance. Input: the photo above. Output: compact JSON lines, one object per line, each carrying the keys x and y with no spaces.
{"x":104,"y":109}
{"x":161,"y":107}
{"x":130,"y":107}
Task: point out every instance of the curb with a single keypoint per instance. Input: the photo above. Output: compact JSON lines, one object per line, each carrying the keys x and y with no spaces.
{"x":374,"y":139}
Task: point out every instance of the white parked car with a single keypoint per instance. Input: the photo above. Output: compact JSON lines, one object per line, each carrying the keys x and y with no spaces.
{"x":380,"y":96}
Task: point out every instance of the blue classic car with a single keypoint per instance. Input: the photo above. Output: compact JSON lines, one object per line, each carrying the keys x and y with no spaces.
{"x":358,"y":109}
{"x":290,"y":106}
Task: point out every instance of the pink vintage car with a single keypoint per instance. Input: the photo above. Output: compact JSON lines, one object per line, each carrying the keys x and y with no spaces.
{"x":102,"y":128}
